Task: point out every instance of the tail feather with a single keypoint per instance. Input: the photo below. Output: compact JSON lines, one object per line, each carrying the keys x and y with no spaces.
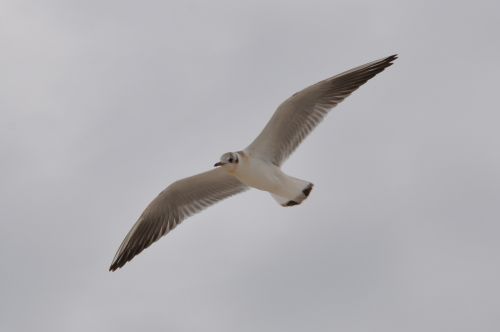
{"x":281,"y":200}
{"x":298,"y":196}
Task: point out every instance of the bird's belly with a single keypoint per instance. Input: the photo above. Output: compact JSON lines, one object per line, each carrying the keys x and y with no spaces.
{"x":260,"y":176}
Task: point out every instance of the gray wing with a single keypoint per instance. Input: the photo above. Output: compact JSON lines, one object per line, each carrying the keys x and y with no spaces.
{"x":297,"y":116}
{"x":178,"y":201}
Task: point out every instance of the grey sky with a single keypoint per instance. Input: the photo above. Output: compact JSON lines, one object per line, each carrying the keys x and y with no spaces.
{"x":104,"y":103}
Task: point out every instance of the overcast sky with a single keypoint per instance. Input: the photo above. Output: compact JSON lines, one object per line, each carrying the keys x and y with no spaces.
{"x":104,"y":103}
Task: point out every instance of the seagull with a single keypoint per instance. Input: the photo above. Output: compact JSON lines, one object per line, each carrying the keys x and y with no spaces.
{"x":257,"y":166}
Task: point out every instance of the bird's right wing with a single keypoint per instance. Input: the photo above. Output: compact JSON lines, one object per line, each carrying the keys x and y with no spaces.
{"x":178,"y":201}
{"x":297,"y":116}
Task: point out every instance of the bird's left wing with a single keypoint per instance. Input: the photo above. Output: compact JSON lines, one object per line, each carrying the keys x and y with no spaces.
{"x":178,"y":201}
{"x":297,"y":116}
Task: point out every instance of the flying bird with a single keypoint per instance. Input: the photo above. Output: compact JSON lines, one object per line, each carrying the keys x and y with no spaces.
{"x":257,"y":166}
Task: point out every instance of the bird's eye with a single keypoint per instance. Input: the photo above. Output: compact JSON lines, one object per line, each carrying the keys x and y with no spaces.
{"x":230,"y":160}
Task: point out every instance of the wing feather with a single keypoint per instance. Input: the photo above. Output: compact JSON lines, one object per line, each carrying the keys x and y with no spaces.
{"x":178,"y":201}
{"x":297,"y":116}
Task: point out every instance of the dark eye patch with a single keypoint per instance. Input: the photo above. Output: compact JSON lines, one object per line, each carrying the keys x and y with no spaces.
{"x":230,"y":160}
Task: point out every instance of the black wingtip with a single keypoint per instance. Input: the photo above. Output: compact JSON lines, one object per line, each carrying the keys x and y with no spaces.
{"x":373,"y":68}
{"x":113,"y":267}
{"x":391,"y":58}
{"x":119,"y":262}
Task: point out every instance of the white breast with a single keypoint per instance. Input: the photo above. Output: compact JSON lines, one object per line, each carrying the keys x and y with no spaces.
{"x":258,"y":174}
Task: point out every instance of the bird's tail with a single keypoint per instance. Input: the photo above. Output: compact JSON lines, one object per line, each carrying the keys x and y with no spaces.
{"x":301,"y":191}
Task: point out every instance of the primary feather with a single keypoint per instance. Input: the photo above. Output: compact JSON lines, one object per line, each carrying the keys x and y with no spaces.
{"x":297,"y":116}
{"x":178,"y":201}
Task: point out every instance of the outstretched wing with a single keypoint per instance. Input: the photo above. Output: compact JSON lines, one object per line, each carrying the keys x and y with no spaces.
{"x":297,"y":116}
{"x":178,"y":201}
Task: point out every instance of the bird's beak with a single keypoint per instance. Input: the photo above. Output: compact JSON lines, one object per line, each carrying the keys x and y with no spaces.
{"x":218,"y":164}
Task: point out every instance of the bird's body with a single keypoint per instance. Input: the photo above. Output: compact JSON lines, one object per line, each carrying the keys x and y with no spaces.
{"x":256,"y":173}
{"x":264,"y":175}
{"x":257,"y":166}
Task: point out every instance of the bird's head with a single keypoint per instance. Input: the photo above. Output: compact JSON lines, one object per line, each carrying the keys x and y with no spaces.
{"x":228,"y":160}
